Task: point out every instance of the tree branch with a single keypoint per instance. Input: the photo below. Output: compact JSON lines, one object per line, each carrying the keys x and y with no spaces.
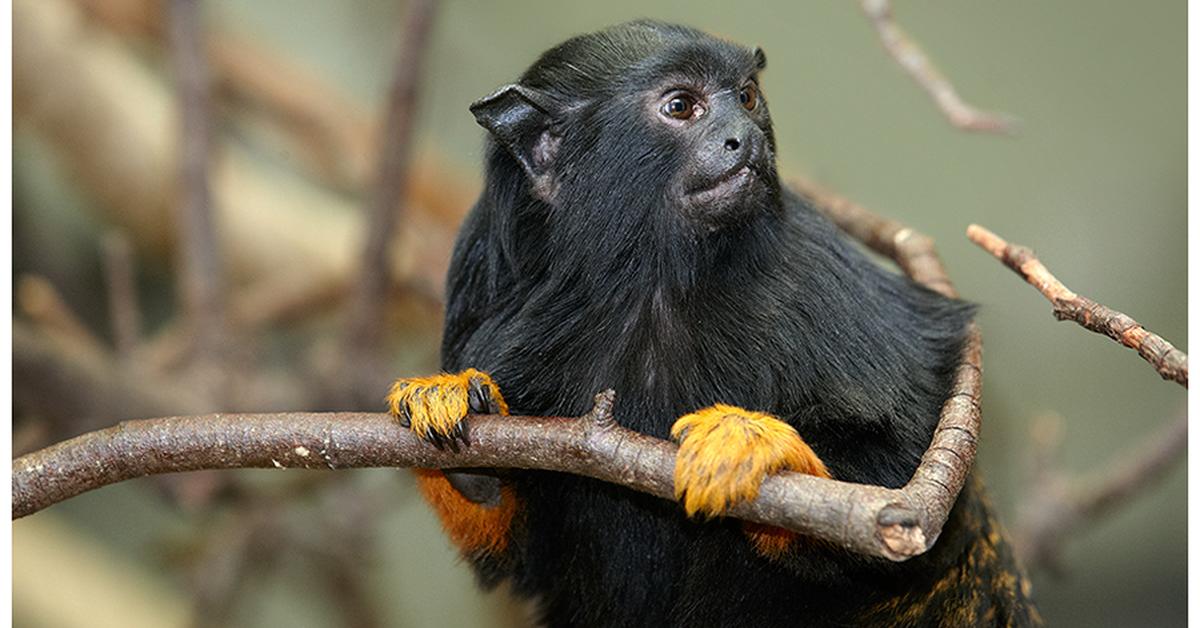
{"x":909,"y":55}
{"x":873,"y":520}
{"x":1171,"y":363}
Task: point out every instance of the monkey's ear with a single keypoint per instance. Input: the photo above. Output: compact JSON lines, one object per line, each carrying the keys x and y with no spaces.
{"x":760,"y":59}
{"x":520,"y":118}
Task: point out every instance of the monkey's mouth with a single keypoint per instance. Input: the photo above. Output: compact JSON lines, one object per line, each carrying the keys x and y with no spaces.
{"x":725,"y":185}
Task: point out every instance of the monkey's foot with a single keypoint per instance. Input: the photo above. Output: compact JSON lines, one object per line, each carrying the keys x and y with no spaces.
{"x":725,"y":452}
{"x":434,"y":407}
{"x":473,"y":527}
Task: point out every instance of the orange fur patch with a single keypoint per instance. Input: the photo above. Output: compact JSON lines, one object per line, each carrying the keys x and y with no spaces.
{"x":470,"y":526}
{"x":725,"y":452}
{"x":770,"y":541}
{"x":437,"y":403}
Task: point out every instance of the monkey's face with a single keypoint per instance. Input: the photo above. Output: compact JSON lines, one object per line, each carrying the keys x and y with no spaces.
{"x":720,"y":133}
{"x":641,"y":126}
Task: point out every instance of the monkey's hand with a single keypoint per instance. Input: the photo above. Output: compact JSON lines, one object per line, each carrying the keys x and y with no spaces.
{"x":725,"y":452}
{"x":435,"y":407}
{"x":474,"y":506}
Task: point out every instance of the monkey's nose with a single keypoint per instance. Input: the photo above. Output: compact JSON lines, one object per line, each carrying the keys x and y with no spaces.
{"x":732,"y":144}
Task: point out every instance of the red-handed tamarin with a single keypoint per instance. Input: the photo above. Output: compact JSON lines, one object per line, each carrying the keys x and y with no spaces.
{"x":633,"y":234}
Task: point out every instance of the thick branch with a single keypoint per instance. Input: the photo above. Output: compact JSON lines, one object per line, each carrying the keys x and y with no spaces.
{"x":1171,"y":363}
{"x":909,"y":55}
{"x":592,"y":445}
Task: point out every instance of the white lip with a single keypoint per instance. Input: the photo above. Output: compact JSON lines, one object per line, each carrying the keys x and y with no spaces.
{"x":724,"y":186}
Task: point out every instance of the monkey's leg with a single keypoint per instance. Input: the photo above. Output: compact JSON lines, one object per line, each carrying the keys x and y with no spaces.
{"x":724,"y":454}
{"x":475,"y":508}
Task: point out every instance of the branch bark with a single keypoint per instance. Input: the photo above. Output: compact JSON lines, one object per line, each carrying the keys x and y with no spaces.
{"x":1171,"y":363}
{"x":917,"y":64}
{"x":592,"y":445}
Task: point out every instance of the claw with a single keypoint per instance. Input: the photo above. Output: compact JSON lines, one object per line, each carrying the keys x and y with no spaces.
{"x":464,"y":432}
{"x":475,"y":398}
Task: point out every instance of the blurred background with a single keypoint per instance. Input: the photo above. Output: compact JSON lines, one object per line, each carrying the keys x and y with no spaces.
{"x":1094,"y":181}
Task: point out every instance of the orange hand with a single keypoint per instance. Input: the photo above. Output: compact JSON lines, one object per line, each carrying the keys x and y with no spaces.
{"x":724,"y":454}
{"x":434,"y":407}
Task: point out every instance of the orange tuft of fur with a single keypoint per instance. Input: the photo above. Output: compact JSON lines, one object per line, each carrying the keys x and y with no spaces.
{"x":436,"y":404}
{"x":473,"y":528}
{"x":726,"y":451}
{"x":769,"y":541}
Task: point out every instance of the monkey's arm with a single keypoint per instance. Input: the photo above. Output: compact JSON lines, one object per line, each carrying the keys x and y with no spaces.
{"x":724,"y":454}
{"x":475,"y":508}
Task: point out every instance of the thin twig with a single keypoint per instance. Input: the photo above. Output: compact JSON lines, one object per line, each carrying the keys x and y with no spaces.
{"x":201,"y":278}
{"x":366,"y":309}
{"x":1171,"y":363}
{"x":909,"y":55}
{"x":124,"y":310}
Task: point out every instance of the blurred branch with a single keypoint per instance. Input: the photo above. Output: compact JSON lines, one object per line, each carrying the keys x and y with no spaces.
{"x":1059,"y":505}
{"x":76,"y":389}
{"x":335,"y":141}
{"x":365,"y":324}
{"x":201,"y":275}
{"x":234,"y":551}
{"x":909,"y":55}
{"x":124,"y":309}
{"x":1171,"y":363}
{"x":40,"y":301}
{"x":108,"y":116}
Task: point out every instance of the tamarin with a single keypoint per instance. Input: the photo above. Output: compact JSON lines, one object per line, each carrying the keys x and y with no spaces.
{"x":633,"y":234}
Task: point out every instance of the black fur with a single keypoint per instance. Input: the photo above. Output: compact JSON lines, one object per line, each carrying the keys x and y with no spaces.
{"x":581,"y":269}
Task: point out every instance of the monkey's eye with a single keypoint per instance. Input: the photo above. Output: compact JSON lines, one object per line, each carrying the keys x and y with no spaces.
{"x":682,"y":106}
{"x":748,"y":96}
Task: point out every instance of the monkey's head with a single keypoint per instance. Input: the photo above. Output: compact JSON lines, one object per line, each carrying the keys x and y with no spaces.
{"x":641,"y":127}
